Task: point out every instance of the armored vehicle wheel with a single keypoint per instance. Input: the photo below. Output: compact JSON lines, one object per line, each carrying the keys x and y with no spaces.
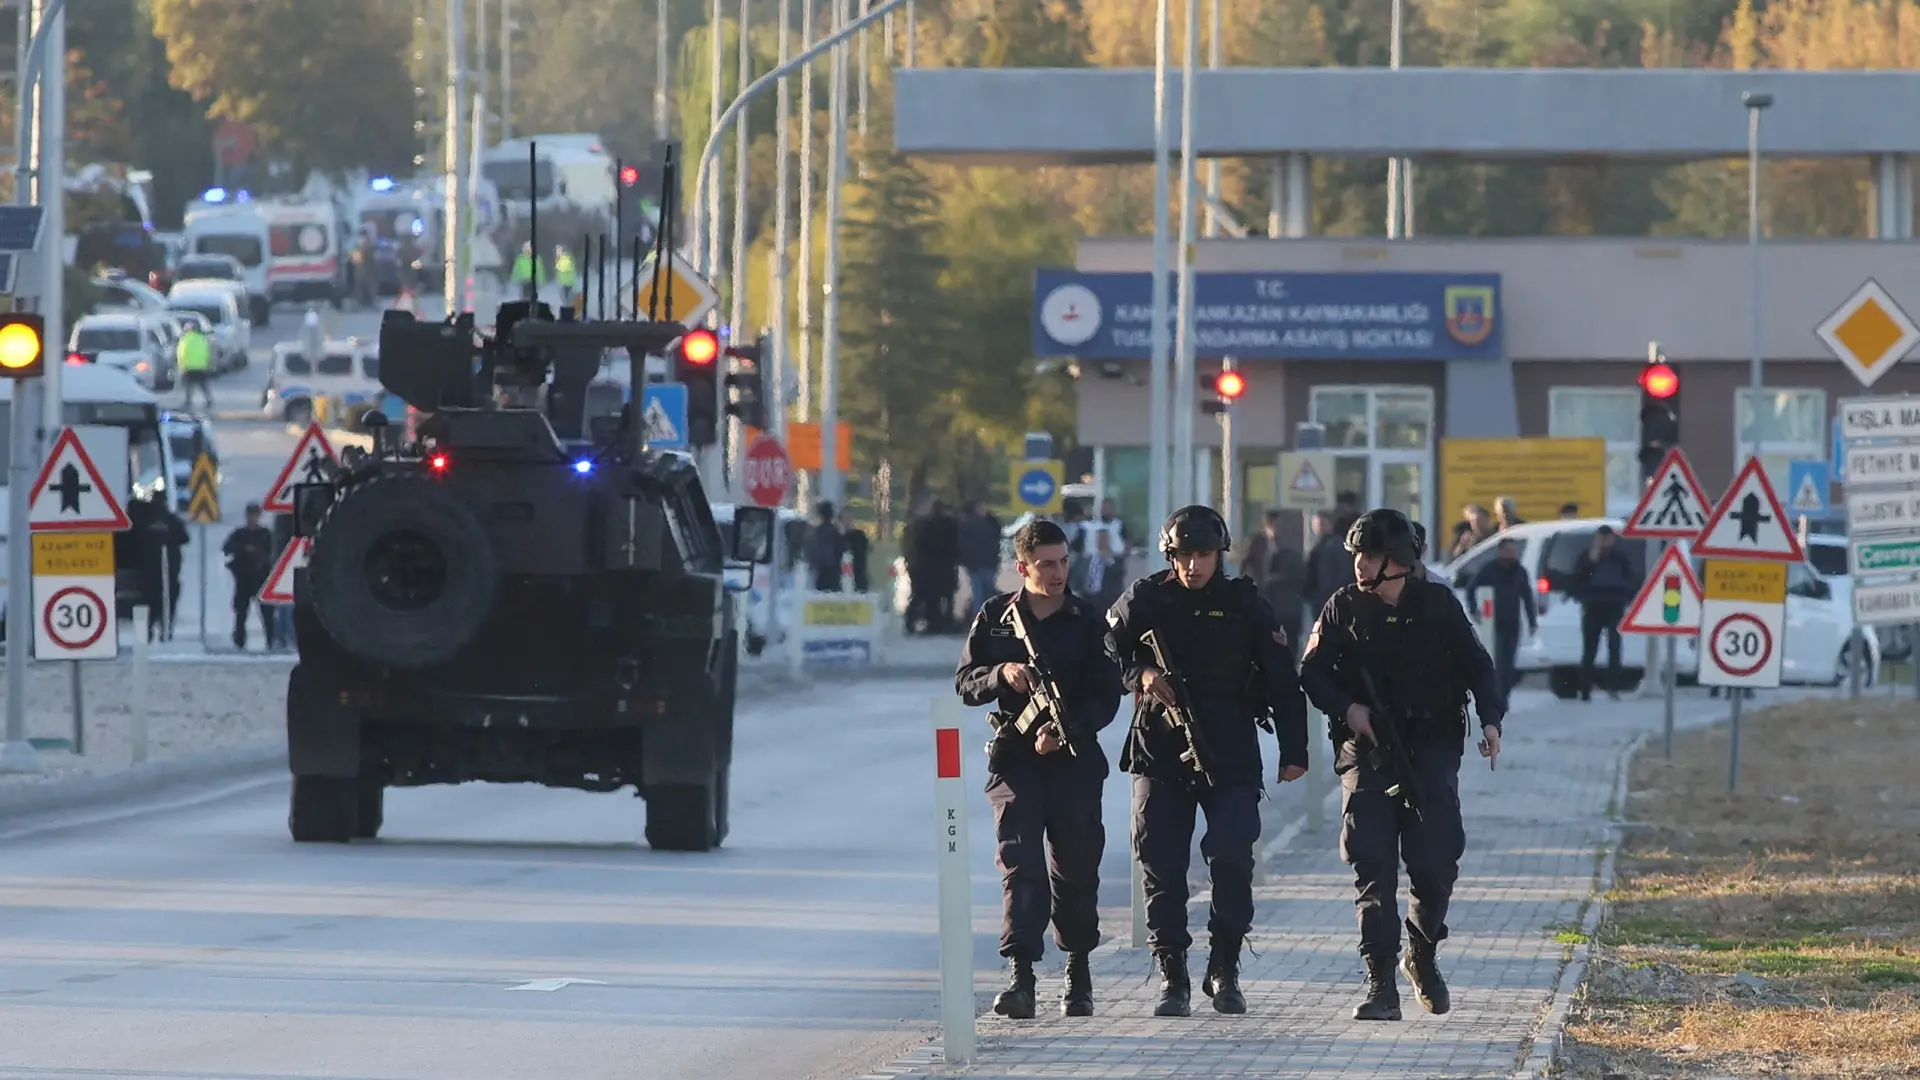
{"x":324,"y":810}
{"x":401,"y":573}
{"x":687,"y":817}
{"x":372,"y":802}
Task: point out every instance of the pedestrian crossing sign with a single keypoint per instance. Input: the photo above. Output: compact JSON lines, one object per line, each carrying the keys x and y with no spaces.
{"x":1674,"y":506}
{"x":663,"y":416}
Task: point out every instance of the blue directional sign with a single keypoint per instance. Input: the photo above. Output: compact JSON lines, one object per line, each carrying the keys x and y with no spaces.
{"x":1251,"y":316}
{"x":1807,"y":487}
{"x":1036,"y":487}
{"x":663,"y":409}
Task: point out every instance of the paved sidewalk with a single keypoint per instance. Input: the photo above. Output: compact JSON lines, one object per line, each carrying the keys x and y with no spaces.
{"x":1535,"y":830}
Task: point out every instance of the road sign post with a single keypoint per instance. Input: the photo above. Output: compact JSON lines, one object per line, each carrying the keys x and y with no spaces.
{"x":956,"y":884}
{"x":1869,"y":333}
{"x":1036,"y":486}
{"x":766,"y":471}
{"x":1674,"y":506}
{"x":1742,"y":636}
{"x":1881,"y":451}
{"x":1669,"y":606}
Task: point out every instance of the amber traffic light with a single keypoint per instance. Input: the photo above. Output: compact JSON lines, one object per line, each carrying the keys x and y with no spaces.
{"x":23,"y":353}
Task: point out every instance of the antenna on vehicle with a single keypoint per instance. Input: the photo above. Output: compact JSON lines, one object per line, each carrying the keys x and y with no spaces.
{"x":663,"y":236}
{"x":619,"y":230}
{"x":533,"y":227}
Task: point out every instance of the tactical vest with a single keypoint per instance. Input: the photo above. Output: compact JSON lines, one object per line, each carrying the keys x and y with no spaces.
{"x":1211,"y":637}
{"x":1402,"y":647}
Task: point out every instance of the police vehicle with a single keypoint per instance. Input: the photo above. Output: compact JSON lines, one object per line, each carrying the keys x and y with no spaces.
{"x":511,"y":594}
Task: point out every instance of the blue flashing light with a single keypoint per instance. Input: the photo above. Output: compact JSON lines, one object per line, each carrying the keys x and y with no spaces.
{"x":242,"y":197}
{"x":382,"y":183}
{"x":583,"y":467}
{"x":417,"y":227}
{"x":214,"y":195}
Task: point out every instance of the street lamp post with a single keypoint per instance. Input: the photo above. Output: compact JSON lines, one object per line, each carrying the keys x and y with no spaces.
{"x":1755,"y":103}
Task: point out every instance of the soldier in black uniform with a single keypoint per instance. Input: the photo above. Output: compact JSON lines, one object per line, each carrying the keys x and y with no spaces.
{"x":1227,"y":646}
{"x":1041,"y":786}
{"x":1411,"y":639}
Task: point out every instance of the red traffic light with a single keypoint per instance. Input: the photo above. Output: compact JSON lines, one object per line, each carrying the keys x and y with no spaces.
{"x":1659,"y":381}
{"x":699,"y":347}
{"x":629,"y":176}
{"x":1230,"y":385}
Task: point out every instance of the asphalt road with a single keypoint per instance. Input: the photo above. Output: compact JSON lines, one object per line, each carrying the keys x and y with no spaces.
{"x":199,"y":941}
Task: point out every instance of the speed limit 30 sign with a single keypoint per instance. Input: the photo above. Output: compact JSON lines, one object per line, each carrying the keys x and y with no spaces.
{"x":75,"y":619}
{"x":1742,"y":624}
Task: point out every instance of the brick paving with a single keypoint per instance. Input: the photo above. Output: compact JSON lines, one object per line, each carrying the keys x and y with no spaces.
{"x":1536,"y":830}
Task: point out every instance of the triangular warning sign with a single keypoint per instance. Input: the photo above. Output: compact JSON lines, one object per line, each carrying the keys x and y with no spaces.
{"x":1307,"y":481}
{"x":70,"y":495}
{"x":279,"y":586}
{"x":1674,"y":506}
{"x":1749,"y":522}
{"x":660,"y":427}
{"x":1808,"y":500}
{"x":1669,"y":601}
{"x":313,"y":462}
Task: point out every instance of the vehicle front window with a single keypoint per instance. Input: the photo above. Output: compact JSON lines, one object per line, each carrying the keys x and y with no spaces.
{"x":1829,"y":559}
{"x":213,"y":315}
{"x":510,"y":179}
{"x":336,"y":364}
{"x":295,"y":364}
{"x":370,"y":366}
{"x":244,"y":248}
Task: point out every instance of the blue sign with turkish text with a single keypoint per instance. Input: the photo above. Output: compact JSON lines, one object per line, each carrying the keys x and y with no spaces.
{"x":1279,"y":316}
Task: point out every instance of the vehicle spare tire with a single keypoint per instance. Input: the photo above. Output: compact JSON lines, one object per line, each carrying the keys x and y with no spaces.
{"x":401,"y":573}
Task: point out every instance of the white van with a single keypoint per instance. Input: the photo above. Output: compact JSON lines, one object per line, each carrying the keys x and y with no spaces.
{"x":216,"y":303}
{"x":765,"y":625}
{"x":1819,"y":620}
{"x":219,"y":224}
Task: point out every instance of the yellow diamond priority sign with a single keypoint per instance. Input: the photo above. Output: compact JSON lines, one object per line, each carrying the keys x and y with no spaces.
{"x":1869,"y":333}
{"x":693,"y":296}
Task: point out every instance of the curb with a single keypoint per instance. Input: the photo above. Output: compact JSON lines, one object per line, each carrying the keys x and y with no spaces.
{"x":143,"y":780}
{"x":1543,"y":1053}
{"x":212,"y":767}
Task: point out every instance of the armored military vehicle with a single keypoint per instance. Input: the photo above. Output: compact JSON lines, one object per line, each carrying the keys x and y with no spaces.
{"x":511,"y":594}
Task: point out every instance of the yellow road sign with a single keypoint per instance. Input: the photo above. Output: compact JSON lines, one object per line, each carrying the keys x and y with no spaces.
{"x":693,"y":295}
{"x":1540,"y":475}
{"x":203,"y":488}
{"x":1754,"y":582}
{"x":72,"y":554}
{"x":1869,"y":333}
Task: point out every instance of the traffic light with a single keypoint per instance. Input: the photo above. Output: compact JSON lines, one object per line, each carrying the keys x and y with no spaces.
{"x":1226,"y":387}
{"x":629,"y":175}
{"x":696,"y":365}
{"x":748,"y":379}
{"x":23,"y":353}
{"x":1659,"y":412}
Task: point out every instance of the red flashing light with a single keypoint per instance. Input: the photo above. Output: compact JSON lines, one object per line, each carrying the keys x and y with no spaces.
{"x":1659,"y":381}
{"x":1543,"y":586}
{"x":699,"y":347}
{"x":629,"y":176}
{"x":438,"y":463}
{"x":1230,"y":385}
{"x":75,"y":359}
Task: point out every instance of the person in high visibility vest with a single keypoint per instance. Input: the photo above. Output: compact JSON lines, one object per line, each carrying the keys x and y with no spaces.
{"x":195,"y":358}
{"x":564,"y":273}
{"x":528,"y":272}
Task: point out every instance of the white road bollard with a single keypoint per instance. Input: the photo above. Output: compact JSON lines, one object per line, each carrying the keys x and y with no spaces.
{"x":138,"y":732}
{"x":956,"y":884}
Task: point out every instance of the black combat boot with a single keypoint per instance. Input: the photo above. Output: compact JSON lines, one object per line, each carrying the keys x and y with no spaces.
{"x":1076,"y":993}
{"x":1383,"y":992}
{"x":1424,"y":974}
{"x":1176,"y":989}
{"x":1016,"y":1001}
{"x":1222,"y":983}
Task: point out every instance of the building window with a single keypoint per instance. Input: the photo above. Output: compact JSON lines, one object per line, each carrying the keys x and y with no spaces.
{"x":1383,"y":439}
{"x":1590,"y":412}
{"x":1790,"y":424}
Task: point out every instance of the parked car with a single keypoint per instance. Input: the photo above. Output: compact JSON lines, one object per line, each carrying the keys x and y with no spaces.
{"x":133,"y":343}
{"x":120,"y":294}
{"x":223,"y":306}
{"x":1827,"y":551}
{"x":1819,"y":618}
{"x":766,"y":625}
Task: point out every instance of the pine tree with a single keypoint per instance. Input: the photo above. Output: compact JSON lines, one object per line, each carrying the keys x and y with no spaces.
{"x":896,"y":328}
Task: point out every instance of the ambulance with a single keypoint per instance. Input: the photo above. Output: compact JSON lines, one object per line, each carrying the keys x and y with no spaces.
{"x":220,"y":222}
{"x":569,"y":172}
{"x":303,"y":250}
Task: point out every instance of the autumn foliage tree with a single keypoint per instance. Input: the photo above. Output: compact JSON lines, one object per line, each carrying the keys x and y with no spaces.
{"x":324,"y":85}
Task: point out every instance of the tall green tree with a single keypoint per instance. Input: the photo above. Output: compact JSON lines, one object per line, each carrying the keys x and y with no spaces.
{"x":323,"y":85}
{"x":167,"y":131}
{"x":897,"y":329}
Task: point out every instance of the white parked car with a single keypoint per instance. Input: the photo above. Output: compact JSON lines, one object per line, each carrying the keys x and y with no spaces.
{"x":1819,"y":618}
{"x":223,"y":304}
{"x":135,"y":344}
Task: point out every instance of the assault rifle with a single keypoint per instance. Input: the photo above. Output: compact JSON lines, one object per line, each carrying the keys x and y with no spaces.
{"x":1046,"y":707}
{"x":1389,"y":754}
{"x":1197,"y":758}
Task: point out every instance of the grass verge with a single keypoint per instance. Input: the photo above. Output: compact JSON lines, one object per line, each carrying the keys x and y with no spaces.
{"x":1772,"y":932}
